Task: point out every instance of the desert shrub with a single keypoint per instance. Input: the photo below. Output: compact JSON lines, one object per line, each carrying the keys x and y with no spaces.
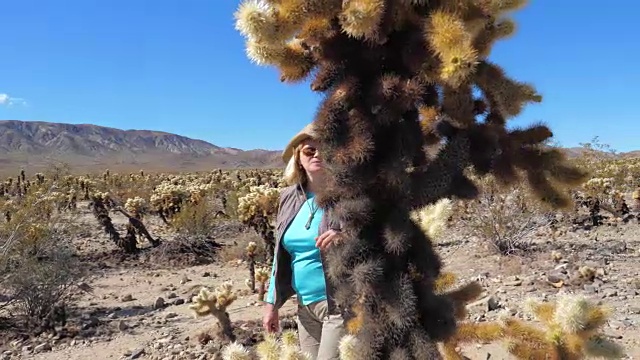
{"x":196,"y":218}
{"x":37,"y":264}
{"x":39,"y":286}
{"x":506,"y":217}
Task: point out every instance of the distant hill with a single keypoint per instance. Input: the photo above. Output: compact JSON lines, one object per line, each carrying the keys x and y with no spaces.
{"x":577,"y":151}
{"x":34,"y":145}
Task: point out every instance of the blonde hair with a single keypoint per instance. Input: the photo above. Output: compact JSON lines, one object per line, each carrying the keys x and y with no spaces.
{"x":293,"y":172}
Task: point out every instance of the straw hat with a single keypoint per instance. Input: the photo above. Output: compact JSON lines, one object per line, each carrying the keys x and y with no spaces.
{"x":306,"y":133}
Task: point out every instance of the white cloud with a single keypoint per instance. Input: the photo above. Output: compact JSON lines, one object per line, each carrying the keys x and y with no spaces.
{"x":7,"y":100}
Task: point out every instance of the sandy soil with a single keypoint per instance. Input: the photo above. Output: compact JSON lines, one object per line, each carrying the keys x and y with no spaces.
{"x":121,"y":317}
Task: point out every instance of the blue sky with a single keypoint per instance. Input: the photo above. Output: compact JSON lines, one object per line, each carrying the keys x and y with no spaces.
{"x":180,"y":66}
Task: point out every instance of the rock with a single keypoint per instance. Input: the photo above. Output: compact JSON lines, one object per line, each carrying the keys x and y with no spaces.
{"x":493,"y":303}
{"x":172,"y":295}
{"x":555,"y":278}
{"x":122,"y":325}
{"x":159,"y":303}
{"x":126,"y":298}
{"x":178,"y":301}
{"x":170,"y":315}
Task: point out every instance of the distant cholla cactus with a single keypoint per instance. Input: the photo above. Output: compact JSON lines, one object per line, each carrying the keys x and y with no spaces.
{"x":137,"y":207}
{"x":171,"y":194}
{"x":599,"y":186}
{"x":433,"y":218}
{"x":261,"y":201}
{"x":102,"y":196}
{"x":258,"y":209}
{"x":72,"y":199}
{"x":251,"y":254}
{"x":99,"y":206}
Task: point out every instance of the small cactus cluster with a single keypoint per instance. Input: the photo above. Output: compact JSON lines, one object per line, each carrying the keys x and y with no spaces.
{"x":215,"y":303}
{"x":570,"y":330}
{"x":256,"y":275}
{"x":284,"y":347}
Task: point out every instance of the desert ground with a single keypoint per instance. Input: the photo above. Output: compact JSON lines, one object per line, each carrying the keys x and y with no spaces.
{"x":137,"y":306}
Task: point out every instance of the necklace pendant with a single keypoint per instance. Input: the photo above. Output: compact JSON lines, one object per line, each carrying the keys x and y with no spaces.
{"x":308,"y":224}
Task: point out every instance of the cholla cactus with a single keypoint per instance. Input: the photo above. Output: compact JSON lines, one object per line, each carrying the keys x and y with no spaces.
{"x":215,"y":303}
{"x":251,"y":254}
{"x":397,"y":76}
{"x":258,"y":209}
{"x":271,"y":348}
{"x":262,"y":278}
{"x":99,"y":201}
{"x":262,"y":200}
{"x":571,"y":331}
{"x":433,"y":218}
{"x":72,"y":199}
{"x":236,"y":351}
{"x":136,"y":206}
{"x":349,"y":347}
{"x":169,"y":196}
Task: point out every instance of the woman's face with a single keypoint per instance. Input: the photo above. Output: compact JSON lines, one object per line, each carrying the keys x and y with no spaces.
{"x":310,"y":158}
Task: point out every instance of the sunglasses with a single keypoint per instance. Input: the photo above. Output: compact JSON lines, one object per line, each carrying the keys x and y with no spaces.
{"x":309,"y":151}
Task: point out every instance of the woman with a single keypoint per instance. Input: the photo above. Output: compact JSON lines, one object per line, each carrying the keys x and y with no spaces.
{"x":303,"y":232}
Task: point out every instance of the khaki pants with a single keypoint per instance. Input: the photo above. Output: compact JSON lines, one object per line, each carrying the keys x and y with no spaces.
{"x":319,"y":332}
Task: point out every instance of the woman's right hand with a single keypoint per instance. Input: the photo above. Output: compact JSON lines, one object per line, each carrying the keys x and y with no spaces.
{"x":270,"y":321}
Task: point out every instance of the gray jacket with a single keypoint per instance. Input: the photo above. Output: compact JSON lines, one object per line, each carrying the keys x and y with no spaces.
{"x":291,"y":200}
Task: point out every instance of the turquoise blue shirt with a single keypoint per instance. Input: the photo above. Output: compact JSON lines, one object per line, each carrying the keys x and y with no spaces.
{"x":307,"y":271}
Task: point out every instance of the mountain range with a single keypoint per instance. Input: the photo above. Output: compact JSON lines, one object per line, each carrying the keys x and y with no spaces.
{"x":36,"y":145}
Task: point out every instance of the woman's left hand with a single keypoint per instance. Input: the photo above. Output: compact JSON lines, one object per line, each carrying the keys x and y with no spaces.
{"x":327,"y":238}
